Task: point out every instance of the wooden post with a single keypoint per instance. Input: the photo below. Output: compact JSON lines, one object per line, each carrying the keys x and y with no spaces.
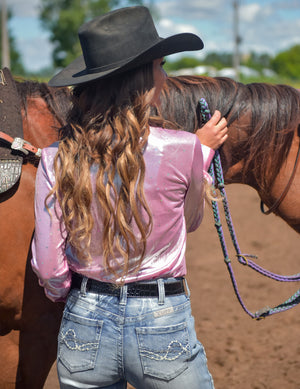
{"x":5,"y":41}
{"x":237,"y":40}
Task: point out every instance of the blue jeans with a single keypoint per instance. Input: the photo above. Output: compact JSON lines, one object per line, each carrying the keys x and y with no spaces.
{"x":107,"y":341}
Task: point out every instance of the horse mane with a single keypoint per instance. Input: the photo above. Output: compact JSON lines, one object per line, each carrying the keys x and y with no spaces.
{"x":57,"y":99}
{"x":268,"y":113}
{"x":180,"y":96}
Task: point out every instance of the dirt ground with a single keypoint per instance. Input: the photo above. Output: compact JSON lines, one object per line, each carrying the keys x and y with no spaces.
{"x":242,"y":352}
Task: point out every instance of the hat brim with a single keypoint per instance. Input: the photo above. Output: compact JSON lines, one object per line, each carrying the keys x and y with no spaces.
{"x":77,"y":73}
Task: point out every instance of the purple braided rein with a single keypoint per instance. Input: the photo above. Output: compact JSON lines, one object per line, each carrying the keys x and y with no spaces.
{"x":216,"y":172}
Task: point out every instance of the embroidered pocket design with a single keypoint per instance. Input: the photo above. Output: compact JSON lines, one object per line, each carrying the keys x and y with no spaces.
{"x":73,"y":343}
{"x":164,"y":351}
{"x":78,"y":342}
{"x":174,"y":351}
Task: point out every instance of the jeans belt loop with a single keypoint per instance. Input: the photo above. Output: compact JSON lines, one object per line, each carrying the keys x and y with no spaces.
{"x":188,"y":293}
{"x":161,"y":291}
{"x":83,"y":286}
{"x":123,"y":295}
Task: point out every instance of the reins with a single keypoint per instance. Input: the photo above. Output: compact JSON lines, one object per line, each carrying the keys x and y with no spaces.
{"x":216,"y":172}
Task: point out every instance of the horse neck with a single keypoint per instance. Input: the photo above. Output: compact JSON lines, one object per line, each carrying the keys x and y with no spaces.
{"x":263,"y":135}
{"x":39,"y":123}
{"x":233,"y":154}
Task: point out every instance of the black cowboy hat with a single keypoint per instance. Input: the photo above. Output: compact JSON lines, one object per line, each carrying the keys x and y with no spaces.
{"x":118,"y":41}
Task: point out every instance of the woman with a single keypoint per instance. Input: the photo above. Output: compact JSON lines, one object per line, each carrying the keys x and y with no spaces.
{"x":114,"y":200}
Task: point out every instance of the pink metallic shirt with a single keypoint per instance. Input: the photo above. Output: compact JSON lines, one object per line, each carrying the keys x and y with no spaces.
{"x":175,"y":167}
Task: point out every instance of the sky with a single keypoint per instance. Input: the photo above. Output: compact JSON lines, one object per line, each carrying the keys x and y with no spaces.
{"x":265,"y":26}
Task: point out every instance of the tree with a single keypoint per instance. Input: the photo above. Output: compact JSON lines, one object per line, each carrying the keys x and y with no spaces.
{"x":63,"y":18}
{"x":218,"y":60}
{"x":287,"y":63}
{"x":257,"y":61}
{"x":182,"y":63}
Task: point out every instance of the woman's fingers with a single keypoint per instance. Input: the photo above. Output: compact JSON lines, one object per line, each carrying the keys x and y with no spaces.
{"x":214,"y":132}
{"x":215,"y":118}
{"x":222,"y":123}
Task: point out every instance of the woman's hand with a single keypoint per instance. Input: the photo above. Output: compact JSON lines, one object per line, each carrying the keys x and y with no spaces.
{"x":214,"y":133}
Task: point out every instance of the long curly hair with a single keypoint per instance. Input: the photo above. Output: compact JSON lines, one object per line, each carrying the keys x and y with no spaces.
{"x":108,"y":127}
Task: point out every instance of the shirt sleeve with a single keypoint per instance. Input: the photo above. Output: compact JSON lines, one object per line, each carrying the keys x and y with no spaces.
{"x":49,"y":261}
{"x":208,"y":155}
{"x":194,"y":199}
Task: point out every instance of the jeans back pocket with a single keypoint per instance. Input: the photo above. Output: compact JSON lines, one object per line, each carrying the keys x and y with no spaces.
{"x":164,"y":351}
{"x":78,"y":342}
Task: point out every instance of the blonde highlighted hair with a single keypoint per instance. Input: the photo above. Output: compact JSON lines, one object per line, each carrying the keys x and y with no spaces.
{"x":108,"y":127}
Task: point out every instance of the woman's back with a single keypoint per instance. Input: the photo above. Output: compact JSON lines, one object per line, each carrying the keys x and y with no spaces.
{"x":173,"y":188}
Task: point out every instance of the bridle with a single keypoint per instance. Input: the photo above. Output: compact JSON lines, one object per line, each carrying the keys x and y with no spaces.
{"x":21,"y":145}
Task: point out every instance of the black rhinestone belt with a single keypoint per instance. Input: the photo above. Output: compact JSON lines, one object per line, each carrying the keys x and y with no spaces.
{"x":134,"y":289}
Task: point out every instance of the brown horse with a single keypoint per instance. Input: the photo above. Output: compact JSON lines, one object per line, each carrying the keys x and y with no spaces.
{"x":29,"y":322}
{"x":260,"y":152}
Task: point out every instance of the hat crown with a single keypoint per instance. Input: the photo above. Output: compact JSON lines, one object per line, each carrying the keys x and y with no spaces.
{"x":117,"y":36}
